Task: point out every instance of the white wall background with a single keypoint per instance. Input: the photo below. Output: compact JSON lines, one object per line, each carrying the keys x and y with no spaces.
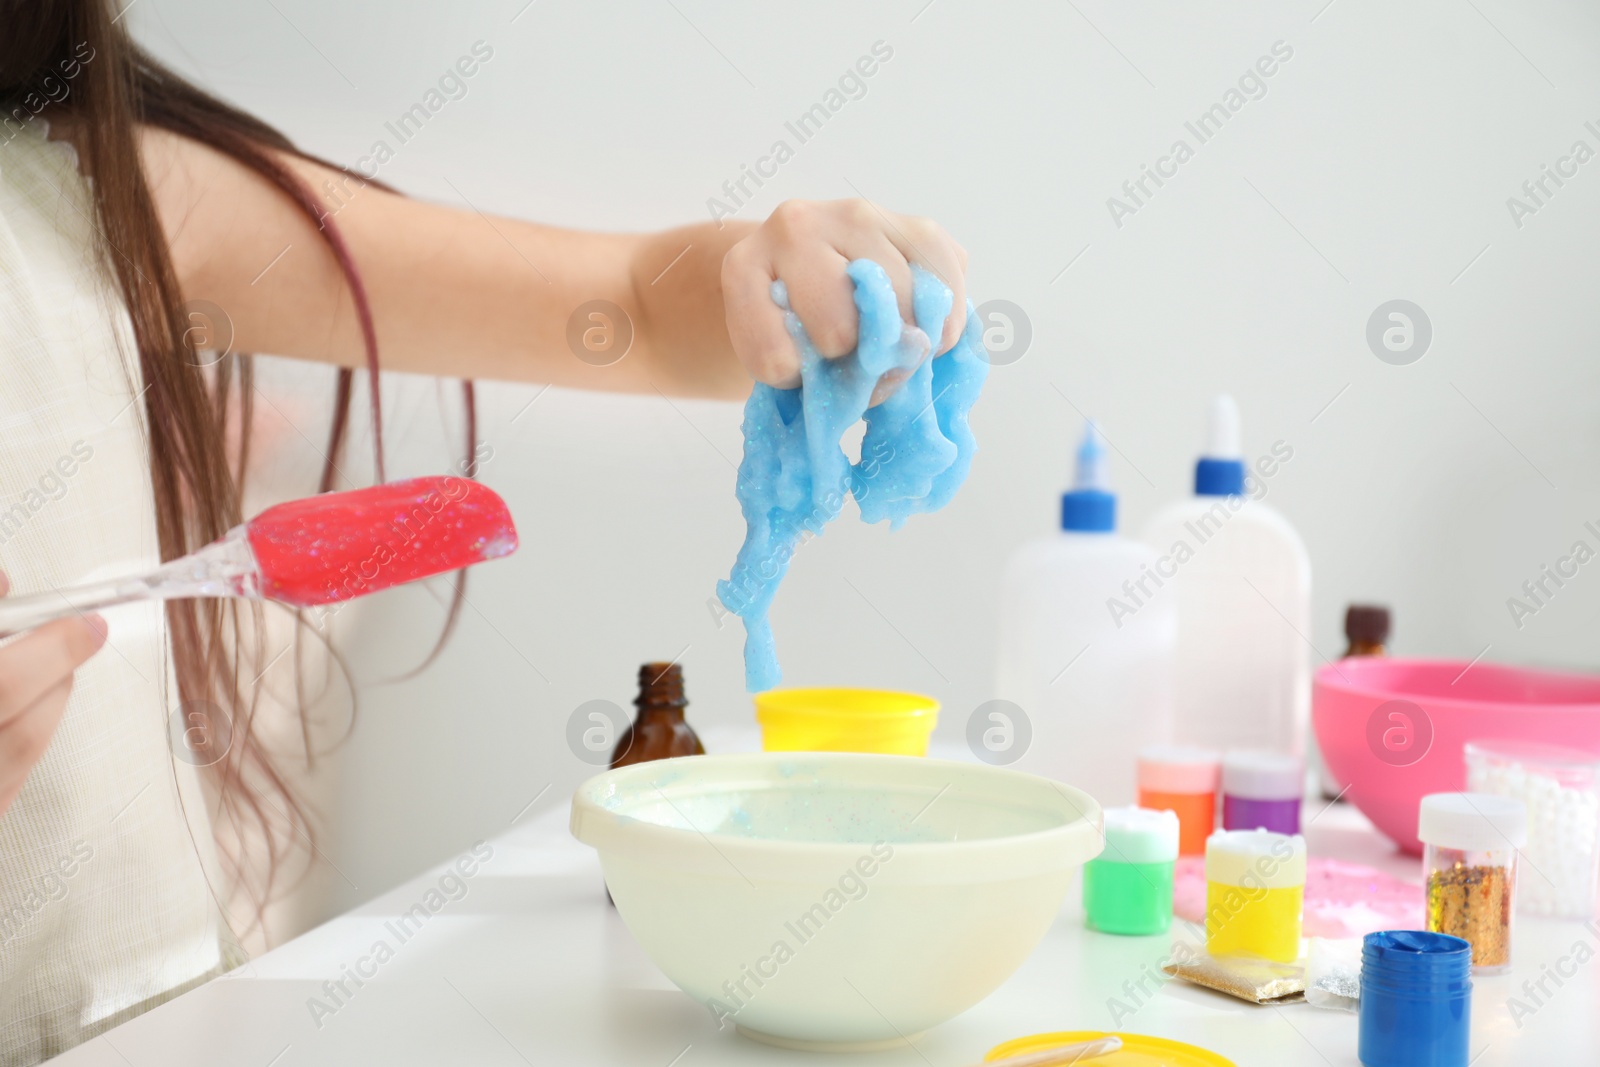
{"x":1376,"y":166}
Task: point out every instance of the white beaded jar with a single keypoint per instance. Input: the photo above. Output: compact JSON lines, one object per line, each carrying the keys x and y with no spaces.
{"x":1561,"y":789}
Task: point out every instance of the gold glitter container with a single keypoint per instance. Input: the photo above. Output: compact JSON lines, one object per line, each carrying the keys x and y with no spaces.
{"x":1470,"y":843}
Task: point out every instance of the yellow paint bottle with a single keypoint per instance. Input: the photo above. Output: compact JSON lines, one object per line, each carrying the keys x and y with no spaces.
{"x":1255,"y":886}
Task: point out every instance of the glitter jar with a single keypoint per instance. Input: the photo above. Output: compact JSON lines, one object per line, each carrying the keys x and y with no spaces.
{"x":1255,"y":886}
{"x":1416,"y":1000}
{"x":1469,"y":858}
{"x":1262,"y":789}
{"x":1184,"y":781}
{"x":1127,"y":889}
{"x":1561,"y":788}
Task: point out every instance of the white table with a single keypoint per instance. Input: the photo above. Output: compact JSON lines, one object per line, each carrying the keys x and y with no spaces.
{"x":532,"y":966}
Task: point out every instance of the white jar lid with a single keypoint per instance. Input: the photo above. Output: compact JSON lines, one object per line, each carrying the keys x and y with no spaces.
{"x":1255,"y":775}
{"x":1472,"y":822}
{"x":1178,"y":769}
{"x":1257,"y":859}
{"x":1139,"y":835}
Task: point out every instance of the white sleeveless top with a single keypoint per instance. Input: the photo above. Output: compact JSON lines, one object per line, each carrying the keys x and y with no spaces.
{"x":106,"y":907}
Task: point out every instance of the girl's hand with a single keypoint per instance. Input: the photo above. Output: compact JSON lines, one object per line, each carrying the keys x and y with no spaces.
{"x":35,"y":678}
{"x":808,"y":244}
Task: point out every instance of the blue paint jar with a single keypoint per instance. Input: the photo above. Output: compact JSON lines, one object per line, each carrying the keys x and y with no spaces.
{"x":1416,"y":999}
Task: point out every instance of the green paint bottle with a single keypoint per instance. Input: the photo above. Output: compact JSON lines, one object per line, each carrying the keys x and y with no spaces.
{"x":1127,"y":889}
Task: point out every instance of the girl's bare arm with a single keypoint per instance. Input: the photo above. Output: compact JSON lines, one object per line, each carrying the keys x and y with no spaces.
{"x":462,"y":294}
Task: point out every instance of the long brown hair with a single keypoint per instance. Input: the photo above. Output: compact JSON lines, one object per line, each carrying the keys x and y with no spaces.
{"x":76,"y":59}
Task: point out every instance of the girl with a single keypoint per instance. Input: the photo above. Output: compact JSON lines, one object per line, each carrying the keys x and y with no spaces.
{"x":128,"y":196}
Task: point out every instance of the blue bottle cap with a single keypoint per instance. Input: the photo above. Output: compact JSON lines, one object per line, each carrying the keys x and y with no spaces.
{"x":1089,"y":506}
{"x":1220,"y":471}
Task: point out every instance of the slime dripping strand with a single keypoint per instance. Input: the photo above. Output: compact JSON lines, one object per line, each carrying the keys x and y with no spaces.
{"x":915,"y":453}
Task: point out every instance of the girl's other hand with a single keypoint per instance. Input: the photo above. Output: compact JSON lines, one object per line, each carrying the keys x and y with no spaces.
{"x":808,"y":244}
{"x":35,"y":678}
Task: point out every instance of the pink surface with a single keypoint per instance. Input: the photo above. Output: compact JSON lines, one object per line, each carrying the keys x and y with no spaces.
{"x":1393,"y":729}
{"x":1342,"y":899}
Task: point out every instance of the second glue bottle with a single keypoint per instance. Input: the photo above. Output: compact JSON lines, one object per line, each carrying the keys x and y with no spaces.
{"x":1242,"y":582}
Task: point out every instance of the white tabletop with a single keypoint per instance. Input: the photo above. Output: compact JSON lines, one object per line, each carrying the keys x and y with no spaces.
{"x":531,"y":966}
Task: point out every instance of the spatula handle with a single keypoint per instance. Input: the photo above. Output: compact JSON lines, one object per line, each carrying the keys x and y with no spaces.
{"x":224,"y":568}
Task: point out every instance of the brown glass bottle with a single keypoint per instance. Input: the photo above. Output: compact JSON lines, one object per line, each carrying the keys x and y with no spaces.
{"x":1366,"y":627}
{"x":658,"y":730}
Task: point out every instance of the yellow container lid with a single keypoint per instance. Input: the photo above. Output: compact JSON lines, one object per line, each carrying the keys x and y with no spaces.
{"x":1138,"y":1050}
{"x":857,"y":704}
{"x":846,"y":720}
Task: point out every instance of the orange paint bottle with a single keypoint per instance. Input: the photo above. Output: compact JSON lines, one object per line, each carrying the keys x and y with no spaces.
{"x":1182,"y":780}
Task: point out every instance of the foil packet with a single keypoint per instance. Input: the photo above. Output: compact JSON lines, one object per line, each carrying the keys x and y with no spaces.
{"x":1256,"y":980}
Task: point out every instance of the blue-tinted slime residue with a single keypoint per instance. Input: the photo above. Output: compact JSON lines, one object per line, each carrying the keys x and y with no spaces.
{"x":915,"y":453}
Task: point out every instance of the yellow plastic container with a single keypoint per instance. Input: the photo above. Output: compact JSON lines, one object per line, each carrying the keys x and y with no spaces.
{"x":846,"y":720}
{"x":1254,"y":922}
{"x":1255,"y":888}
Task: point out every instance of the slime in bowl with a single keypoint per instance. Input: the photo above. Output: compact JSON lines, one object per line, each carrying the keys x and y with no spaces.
{"x":835,"y":900}
{"x":915,"y":453}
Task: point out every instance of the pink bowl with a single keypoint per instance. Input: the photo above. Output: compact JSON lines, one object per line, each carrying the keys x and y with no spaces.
{"x":1393,"y":730}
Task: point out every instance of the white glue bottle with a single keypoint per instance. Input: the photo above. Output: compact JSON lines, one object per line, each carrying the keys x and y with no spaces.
{"x":1093,"y":689}
{"x":1241,"y":580}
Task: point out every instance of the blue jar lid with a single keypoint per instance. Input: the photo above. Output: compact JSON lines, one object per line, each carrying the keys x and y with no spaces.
{"x":1415,"y":960}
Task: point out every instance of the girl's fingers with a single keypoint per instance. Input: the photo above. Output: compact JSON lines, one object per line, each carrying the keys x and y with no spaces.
{"x":43,"y":659}
{"x":809,"y":246}
{"x":820,"y":293}
{"x":924,"y":242}
{"x":878,"y":248}
{"x":755,"y":323}
{"x":874,"y":245}
{"x":887,"y":385}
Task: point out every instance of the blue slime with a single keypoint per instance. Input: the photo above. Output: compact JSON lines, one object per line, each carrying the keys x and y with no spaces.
{"x":915,"y":453}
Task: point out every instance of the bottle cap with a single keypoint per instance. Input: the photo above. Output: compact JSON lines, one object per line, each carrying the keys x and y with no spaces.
{"x":1220,"y":471}
{"x":1090,"y":506}
{"x":1253,"y":775}
{"x":1472,"y":822}
{"x":1140,"y":835}
{"x":1366,"y":624}
{"x":1179,"y":769}
{"x":1256,"y":859}
{"x":660,"y":685}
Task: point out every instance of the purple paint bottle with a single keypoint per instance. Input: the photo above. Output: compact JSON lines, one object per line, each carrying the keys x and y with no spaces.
{"x":1262,"y":790}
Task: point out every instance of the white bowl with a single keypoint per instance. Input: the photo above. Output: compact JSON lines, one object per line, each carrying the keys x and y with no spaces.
{"x":835,"y":900}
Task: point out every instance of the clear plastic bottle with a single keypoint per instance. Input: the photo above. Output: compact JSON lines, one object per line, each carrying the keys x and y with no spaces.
{"x":1241,"y":580}
{"x":1469,"y":858}
{"x":1094,"y":683}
